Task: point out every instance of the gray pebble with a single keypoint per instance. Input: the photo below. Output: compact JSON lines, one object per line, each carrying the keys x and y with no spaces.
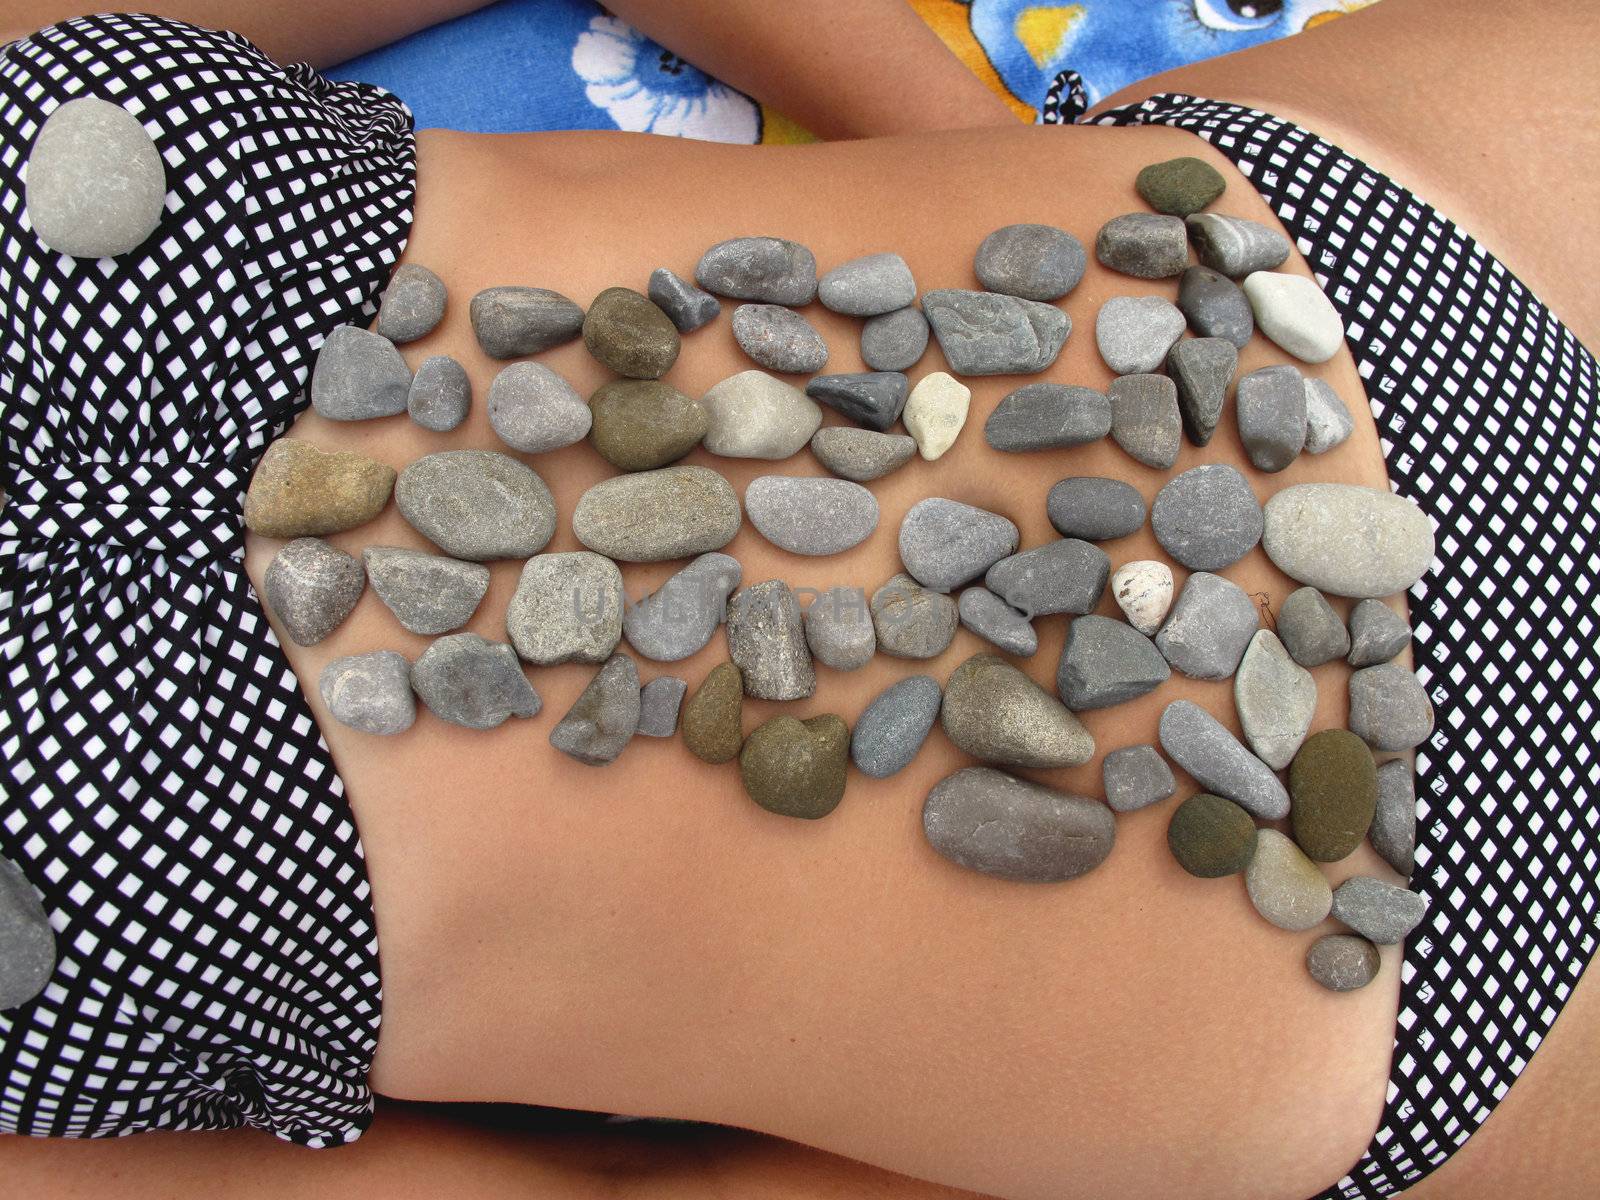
{"x":779,"y":339}
{"x":839,"y":629}
{"x":767,"y":642}
{"x":681,"y":616}
{"x":358,"y":376}
{"x":1275,"y":698}
{"x":811,"y":515}
{"x":477,"y":504}
{"x":1095,"y":508}
{"x":997,"y":713}
{"x":1377,"y":633}
{"x":687,"y":306}
{"x":412,"y":306}
{"x":567,"y":608}
{"x":96,"y":183}
{"x":1378,"y":911}
{"x":1207,"y":518}
{"x":1105,"y":662}
{"x":1328,"y":420}
{"x":1235,"y":246}
{"x":1145,"y":420}
{"x":1342,"y":963}
{"x":1065,"y":576}
{"x":428,"y":593}
{"x":1014,"y":829}
{"x":1215,"y":306}
{"x":1048,"y":416}
{"x":1210,"y":627}
{"x":861,"y":455}
{"x":1285,"y":886}
{"x":512,"y":321}
{"x":986,"y":333}
{"x":893,"y":727}
{"x":1348,"y":540}
{"x":440,"y":394}
{"x":27,"y":942}
{"x":1144,"y":245}
{"x":604,"y":717}
{"x":1136,"y":777}
{"x":868,"y":286}
{"x":894,"y":341}
{"x":766,"y":269}
{"x":653,"y":516}
{"x":1199,"y":743}
{"x":468,"y":680}
{"x":311,"y":587}
{"x":1311,"y":631}
{"x":1271,"y":407}
{"x":659,"y":703}
{"x":1389,"y":709}
{"x":370,"y":692}
{"x":1134,"y":333}
{"x":1394,"y":825}
{"x":871,"y":398}
{"x":1202,"y":369}
{"x":1035,"y":262}
{"x":753,"y":415}
{"x":992,"y":619}
{"x":911,"y":621}
{"x":944,"y":543}
{"x":534,"y":410}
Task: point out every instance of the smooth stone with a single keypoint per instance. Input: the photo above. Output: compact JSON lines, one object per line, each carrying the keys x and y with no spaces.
{"x":1378,"y":911}
{"x":1065,"y":576}
{"x":412,"y":306}
{"x":1377,"y":634}
{"x":1275,"y":698}
{"x":986,"y":333}
{"x":687,"y":306}
{"x":753,"y":415}
{"x":894,"y":341}
{"x":861,"y":455}
{"x":1333,"y":786}
{"x":604,"y":717}
{"x":767,"y":642}
{"x":1348,"y":540}
{"x":1342,"y":963}
{"x":996,"y":713}
{"x":1218,"y":761}
{"x":992,"y":619}
{"x":1207,"y":518}
{"x":477,"y":504}
{"x":839,"y":629}
{"x":1394,"y":821}
{"x":894,"y":726}
{"x":1215,"y":306}
{"x":1234,"y":246}
{"x":299,"y":490}
{"x":936,"y":412}
{"x":27,"y":942}
{"x":1143,"y":245}
{"x":809,"y":514}
{"x":1048,"y":416}
{"x":1293,"y":311}
{"x":1136,"y":777}
{"x":359,"y":376}
{"x":911,"y":621}
{"x":534,"y":410}
{"x":1035,"y":262}
{"x":1210,"y":627}
{"x":1311,"y":631}
{"x":796,"y":768}
{"x":567,"y":608}
{"x":370,"y":692}
{"x":642,"y":424}
{"x":1014,"y":829}
{"x":428,"y":594}
{"x":1389,"y":709}
{"x":1095,"y":508}
{"x":1202,"y":369}
{"x":440,"y":394}
{"x":683,"y":614}
{"x":653,"y":516}
{"x":311,"y":587}
{"x":944,"y":543}
{"x":1271,"y":407}
{"x":659,"y":703}
{"x":868,"y":286}
{"x":1285,"y":886}
{"x":627,"y":333}
{"x":1179,"y":186}
{"x":712,"y":719}
{"x":1143,"y":591}
{"x":468,"y":680}
{"x":96,"y":183}
{"x":512,"y":321}
{"x":1145,"y":420}
{"x":1328,"y":419}
{"x":1104,"y":662}
{"x":766,"y":269}
{"x":1134,"y":333}
{"x":779,"y":339}
{"x":871,"y":398}
{"x":1211,"y":837}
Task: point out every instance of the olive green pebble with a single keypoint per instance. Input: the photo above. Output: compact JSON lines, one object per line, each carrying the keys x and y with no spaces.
{"x":642,"y":424}
{"x":628,"y":333}
{"x":1179,"y":186}
{"x":713,"y":724}
{"x":1333,"y":792}
{"x":1342,"y":962}
{"x":796,"y":768}
{"x":1211,"y":837}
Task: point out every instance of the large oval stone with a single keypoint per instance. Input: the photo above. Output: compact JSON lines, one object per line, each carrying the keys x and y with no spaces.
{"x":477,"y":504}
{"x":998,"y":714}
{"x":1348,"y":540}
{"x":1011,"y":828}
{"x":96,"y":183}
{"x":1333,"y":789}
{"x":652,"y":516}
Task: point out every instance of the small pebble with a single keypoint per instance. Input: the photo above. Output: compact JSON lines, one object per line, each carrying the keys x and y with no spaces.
{"x":996,"y":713}
{"x":534,"y":410}
{"x":767,"y":642}
{"x":779,"y":339}
{"x":1275,"y":698}
{"x":1389,"y":709}
{"x":935,"y":413}
{"x":627,"y":333}
{"x":712,"y":720}
{"x":642,"y":424}
{"x":861,"y":455}
{"x":944,"y":543}
{"x":1104,"y":662}
{"x":1202,"y":369}
{"x":1342,"y":963}
{"x":1236,"y":247}
{"x":1143,"y":245}
{"x":567,"y":608}
{"x":685,"y":305}
{"x":1010,"y":828}
{"x":1328,"y":419}
{"x":477,"y":504}
{"x":868,"y":286}
{"x":1285,"y":886}
{"x":471,"y":681}
{"x":299,"y":490}
{"x":1035,"y":262}
{"x":1348,"y":540}
{"x":871,"y":398}
{"x":1207,"y":518}
{"x":1134,"y":333}
{"x":512,"y":321}
{"x":605,"y":716}
{"x":1065,"y":576}
{"x":1394,"y":823}
{"x":27,"y":942}
{"x":653,"y":516}
{"x":1095,"y":508}
{"x":1293,"y":311}
{"x":370,"y":692}
{"x":1210,"y":627}
{"x":97,"y":186}
{"x":429,"y":594}
{"x":1211,"y":837}
{"x":412,"y":306}
{"x":440,"y":394}
{"x":683,"y":614}
{"x":1333,"y":784}
{"x":812,"y":515}
{"x":992,"y":619}
{"x":894,"y":341}
{"x":1215,"y":306}
{"x":839,"y":629}
{"x":1378,"y":911}
{"x":659,"y":702}
{"x":1048,"y":416}
{"x":1271,"y":407}
{"x":893,"y":727}
{"x":358,"y":376}
{"x":1145,"y":420}
{"x":1136,"y":777}
{"x":796,"y":768}
{"x":1143,"y":591}
{"x":311,"y":587}
{"x":1311,"y":631}
{"x":1179,"y":186}
{"x":766,"y":269}
{"x":1202,"y":746}
{"x":1377,"y":634}
{"x":754,"y":415}
{"x":986,"y":333}
{"x":911,"y":621}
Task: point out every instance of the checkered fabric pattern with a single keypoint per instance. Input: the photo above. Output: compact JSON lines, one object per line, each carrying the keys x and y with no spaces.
{"x":165,"y":788}
{"x":1490,"y":419}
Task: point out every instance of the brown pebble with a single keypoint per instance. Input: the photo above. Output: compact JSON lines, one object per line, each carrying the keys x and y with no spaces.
{"x":1333,"y":792}
{"x":628,"y":333}
{"x":1342,"y":962}
{"x":713,"y":727}
{"x":301,"y":491}
{"x":1211,"y":837}
{"x":796,"y":768}
{"x":642,"y":424}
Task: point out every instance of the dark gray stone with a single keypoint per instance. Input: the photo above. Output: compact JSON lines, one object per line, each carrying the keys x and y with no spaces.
{"x":683,"y":614}
{"x":567,"y":608}
{"x":893,"y":727}
{"x":1215,"y":306}
{"x":311,"y":587}
{"x":429,"y":594}
{"x":604,"y":717}
{"x":1207,"y":518}
{"x":766,"y":269}
{"x":1394,"y":823}
{"x":871,"y":398}
{"x":767,"y":642}
{"x":868,"y":286}
{"x":1378,"y":911}
{"x":653,"y":516}
{"x":1199,"y":743}
{"x":1095,"y":508}
{"x":1048,"y":416}
{"x":370,"y":692}
{"x":997,"y":824}
{"x":1389,"y":709}
{"x":1377,"y":633}
{"x":1210,"y":627}
{"x":1144,"y":245}
{"x":1271,"y":407}
{"x":1202,"y":369}
{"x":1105,"y":662}
{"x":512,"y":321}
{"x":944,"y":543}
{"x":839,"y":629}
{"x":1145,"y":420}
{"x":358,"y":376}
{"x":1236,"y":247}
{"x":986,"y":333}
{"x":1134,"y":333}
{"x":1348,"y":540}
{"x":894,"y":341}
{"x":412,"y":306}
{"x":1311,"y":631}
{"x":686,"y":305}
{"x":477,"y":504}
{"x":468,"y":680}
{"x":861,"y":455}
{"x":992,"y":619}
{"x":534,"y":410}
{"x":1035,"y":262}
{"x":1066,"y":576}
{"x":440,"y":394}
{"x":96,"y":184}
{"x":1136,"y":777}
{"x":911,"y":621}
{"x":779,"y":339}
{"x":1328,"y":420}
{"x":809,"y":514}
{"x":659,"y":703}
{"x":27,"y":942}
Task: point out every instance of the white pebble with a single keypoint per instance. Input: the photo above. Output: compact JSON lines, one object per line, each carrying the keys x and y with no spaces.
{"x":1293,"y":311}
{"x":935,"y":413}
{"x":1144,"y":593}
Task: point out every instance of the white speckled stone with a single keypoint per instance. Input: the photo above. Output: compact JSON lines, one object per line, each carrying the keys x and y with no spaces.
{"x":754,"y":415}
{"x":535,"y":410}
{"x":412,"y":305}
{"x":1210,"y":627}
{"x":935,"y":413}
{"x":1143,"y":591}
{"x":567,"y":608}
{"x":27,"y":943}
{"x":811,"y":515}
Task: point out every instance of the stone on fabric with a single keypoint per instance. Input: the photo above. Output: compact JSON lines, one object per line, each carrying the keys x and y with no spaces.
{"x":27,"y":942}
{"x":96,"y":184}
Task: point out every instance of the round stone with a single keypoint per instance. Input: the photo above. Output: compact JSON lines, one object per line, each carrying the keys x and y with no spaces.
{"x":630,"y":335}
{"x":653,"y":516}
{"x":1394,"y":823}
{"x":1136,"y":777}
{"x":839,"y":629}
{"x":894,"y":341}
{"x":1285,"y":886}
{"x":642,"y":424}
{"x":686,"y":305}
{"x":861,"y":455}
{"x":1378,"y":911}
{"x":512,"y":321}
{"x":893,"y":727}
{"x":659,"y":703}
{"x":1104,"y":662}
{"x":1211,"y":837}
{"x":1275,"y":698}
{"x":1389,"y":708}
{"x":1207,"y":518}
{"x":987,"y":333}
{"x":1145,"y":420}
{"x":992,"y":619}
{"x":712,"y":720}
{"x":1010,"y":828}
{"x":301,"y":491}
{"x":1179,"y":186}
{"x":1095,"y":508}
{"x":534,"y":410}
{"x":1068,"y":575}
{"x":477,"y":504}
{"x":767,"y":269}
{"x":370,"y":692}
{"x":871,"y":398}
{"x":1134,"y":333}
{"x":1271,"y":407}
{"x":1293,"y":311}
{"x":1215,"y":306}
{"x":945,"y":543}
{"x":1143,"y":245}
{"x":27,"y":942}
{"x":1035,"y":262}
{"x":567,"y":608}
{"x":1234,"y":246}
{"x":1342,"y":963}
{"x":1333,"y":784}
{"x":1311,"y":631}
{"x":911,"y":621}
{"x":1048,"y":416}
{"x":429,"y":594}
{"x":681,"y":616}
{"x":1200,"y":744}
{"x":358,"y":376}
{"x":936,"y":412}
{"x":96,"y":183}
{"x":468,"y":680}
{"x":311,"y":587}
{"x":753,"y":415}
{"x":796,"y":768}
{"x":767,"y":642}
{"x":604,"y":717}
{"x":1377,"y":634}
{"x":1201,"y":370}
{"x":996,"y":713}
{"x":440,"y":394}
{"x":412,"y":306}
{"x":1210,"y":627}
{"x":1328,"y":419}
{"x":868,"y":286}
{"x":1143,"y":591}
{"x":1348,"y":540}
{"x":779,"y":339}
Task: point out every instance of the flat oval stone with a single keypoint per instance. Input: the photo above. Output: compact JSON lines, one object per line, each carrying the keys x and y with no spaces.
{"x":27,"y":942}
{"x":1394,"y":822}
{"x":1134,"y":333}
{"x":1285,"y":886}
{"x":1202,"y":369}
{"x":468,"y":680}
{"x":1207,"y":518}
{"x":567,"y":608}
{"x":1275,"y":698}
{"x":767,"y":642}
{"x":440,"y":394}
{"x":1048,"y":416}
{"x":1035,"y":262}
{"x":779,"y":339}
{"x":1377,"y":634}
{"x":477,"y":504}
{"x":1095,"y":508}
{"x":1067,"y":576}
{"x":868,"y":286}
{"x":1145,"y":420}
{"x":96,"y":183}
{"x":1348,"y":540}
{"x":1136,"y":777}
{"x":1271,"y":406}
{"x":358,"y":376}
{"x":861,"y":455}
{"x":811,"y":515}
{"x":1328,"y":419}
{"x":1211,"y":837}
{"x":1143,"y":591}
{"x":681,"y":616}
{"x":311,"y":587}
{"x":659,"y":703}
{"x":893,"y":727}
{"x":653,"y":516}
{"x":1215,"y":306}
{"x":1333,"y":784}
{"x":936,"y":412}
{"x":370,"y":692}
{"x":894,"y":341}
{"x":992,"y":619}
{"x":1311,"y":631}
{"x":996,"y":713}
{"x":1342,"y":963}
{"x":1179,"y":186}
{"x":986,"y":333}
{"x":1389,"y":709}
{"x":871,"y":398}
{"x":768,"y":269}
{"x":1378,"y":911}
{"x":604,"y":717}
{"x":534,"y":410}
{"x":796,"y":768}
{"x":299,"y":490}
{"x":944,"y":543}
{"x":1104,"y":662}
{"x":839,"y":629}
{"x":412,"y":306}
{"x":754,"y":415}
{"x":512,"y":321}
{"x":687,"y":306}
{"x":1293,"y":311}
{"x":428,"y":594}
{"x":1143,"y":245}
{"x":997,"y":824}
{"x":911,"y":621}
{"x":1210,"y":627}
{"x":1199,"y":743}
{"x":627,"y":333}
{"x":1234,"y":246}
{"x":712,"y":721}
{"x":642,"y":424}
